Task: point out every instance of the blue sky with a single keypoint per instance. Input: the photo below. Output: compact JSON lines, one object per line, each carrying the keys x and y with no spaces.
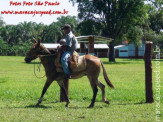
{"x":46,"y":19}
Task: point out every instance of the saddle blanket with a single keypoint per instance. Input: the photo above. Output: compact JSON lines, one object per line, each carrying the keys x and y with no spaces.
{"x":80,"y":65}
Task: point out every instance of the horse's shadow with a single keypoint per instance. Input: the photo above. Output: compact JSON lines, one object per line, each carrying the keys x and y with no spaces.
{"x":78,"y":107}
{"x":40,"y":106}
{"x":138,"y":103}
{"x":84,"y":107}
{"x":3,"y":81}
{"x":29,"y":106}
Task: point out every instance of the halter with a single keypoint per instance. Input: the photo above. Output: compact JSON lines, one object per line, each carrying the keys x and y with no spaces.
{"x":39,"y":65}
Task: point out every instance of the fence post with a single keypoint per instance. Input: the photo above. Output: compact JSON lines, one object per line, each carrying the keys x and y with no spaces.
{"x":82,"y":47}
{"x":148,"y":72}
{"x":91,"y":44}
{"x":62,"y":96}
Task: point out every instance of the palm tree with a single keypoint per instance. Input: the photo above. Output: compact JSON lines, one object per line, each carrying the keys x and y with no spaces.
{"x":27,"y":30}
{"x":2,"y":23}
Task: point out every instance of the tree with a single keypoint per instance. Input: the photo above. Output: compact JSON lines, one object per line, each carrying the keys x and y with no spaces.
{"x":116,"y":16}
{"x":26,"y":30}
{"x":156,"y":21}
{"x":157,"y":39}
{"x":89,"y":27}
{"x":155,"y":12}
{"x":2,"y":23}
{"x":3,"y":47}
{"x":71,"y":20}
{"x":8,"y":33}
{"x":134,"y":35}
{"x":15,"y":39}
{"x":153,"y":23}
{"x":156,"y":4}
{"x":51,"y":33}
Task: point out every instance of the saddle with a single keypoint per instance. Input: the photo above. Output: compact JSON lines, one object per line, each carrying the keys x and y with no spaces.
{"x":73,"y":61}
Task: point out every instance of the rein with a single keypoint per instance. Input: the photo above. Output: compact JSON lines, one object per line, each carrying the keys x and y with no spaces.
{"x":38,"y":69}
{"x":39,"y":65}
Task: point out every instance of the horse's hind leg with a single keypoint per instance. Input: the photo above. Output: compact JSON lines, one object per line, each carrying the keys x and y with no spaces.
{"x":61,"y":84}
{"x":95,"y":90}
{"x":102,"y":87}
{"x":46,"y":86}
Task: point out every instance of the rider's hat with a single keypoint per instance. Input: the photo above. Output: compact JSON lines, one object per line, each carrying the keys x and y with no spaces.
{"x":66,"y":26}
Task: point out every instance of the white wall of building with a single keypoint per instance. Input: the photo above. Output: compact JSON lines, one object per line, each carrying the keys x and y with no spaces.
{"x":129,"y":50}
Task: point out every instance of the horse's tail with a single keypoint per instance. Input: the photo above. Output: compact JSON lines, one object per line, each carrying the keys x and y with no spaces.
{"x":106,"y":77}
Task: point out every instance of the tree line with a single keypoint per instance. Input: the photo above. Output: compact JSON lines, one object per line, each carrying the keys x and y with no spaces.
{"x":132,"y":20}
{"x":16,"y":39}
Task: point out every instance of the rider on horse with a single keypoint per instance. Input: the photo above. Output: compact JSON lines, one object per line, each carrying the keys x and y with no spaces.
{"x":68,"y":48}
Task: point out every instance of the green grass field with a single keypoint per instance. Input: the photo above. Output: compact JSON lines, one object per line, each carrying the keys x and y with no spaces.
{"x":20,"y":90}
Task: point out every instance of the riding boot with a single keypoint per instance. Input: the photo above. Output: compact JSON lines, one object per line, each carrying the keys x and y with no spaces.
{"x":67,"y":76}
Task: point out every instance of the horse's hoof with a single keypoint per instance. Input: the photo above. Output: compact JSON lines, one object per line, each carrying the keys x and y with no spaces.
{"x":90,"y":106}
{"x":67,"y":104}
{"x":37,"y":105}
{"x":107,"y":102}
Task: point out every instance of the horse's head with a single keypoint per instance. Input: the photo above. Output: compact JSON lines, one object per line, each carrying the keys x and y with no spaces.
{"x":36,"y":50}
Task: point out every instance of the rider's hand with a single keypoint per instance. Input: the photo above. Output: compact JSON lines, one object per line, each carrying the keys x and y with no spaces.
{"x":59,"y":46}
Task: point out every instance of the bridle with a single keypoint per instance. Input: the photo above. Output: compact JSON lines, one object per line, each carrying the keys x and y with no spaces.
{"x":39,"y":63}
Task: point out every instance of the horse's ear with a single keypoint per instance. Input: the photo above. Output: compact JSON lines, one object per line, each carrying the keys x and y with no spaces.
{"x":34,"y":40}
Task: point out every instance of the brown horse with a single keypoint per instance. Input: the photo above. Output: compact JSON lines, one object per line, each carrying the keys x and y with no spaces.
{"x":90,"y":66}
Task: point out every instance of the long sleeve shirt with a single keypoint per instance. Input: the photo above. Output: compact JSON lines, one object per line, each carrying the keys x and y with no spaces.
{"x":71,"y":41}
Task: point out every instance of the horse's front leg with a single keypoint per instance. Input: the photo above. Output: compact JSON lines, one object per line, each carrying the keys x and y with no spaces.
{"x":46,"y":86}
{"x":62,"y":86}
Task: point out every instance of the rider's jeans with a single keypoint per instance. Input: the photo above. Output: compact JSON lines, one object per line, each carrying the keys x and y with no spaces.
{"x":64,"y":61}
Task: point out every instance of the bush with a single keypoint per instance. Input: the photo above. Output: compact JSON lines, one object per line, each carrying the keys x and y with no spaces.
{"x":15,"y":50}
{"x":21,"y":48}
{"x":4,"y":48}
{"x":157,"y":39}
